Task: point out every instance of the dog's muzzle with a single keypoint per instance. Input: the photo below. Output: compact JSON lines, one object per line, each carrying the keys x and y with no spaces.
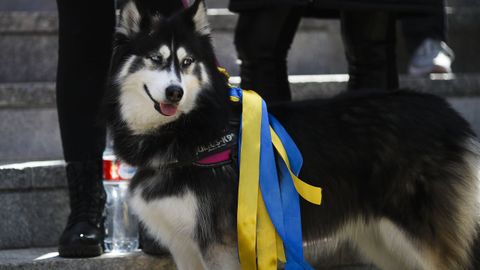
{"x":174,"y":95}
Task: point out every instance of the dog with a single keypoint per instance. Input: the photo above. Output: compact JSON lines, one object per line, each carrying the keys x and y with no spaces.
{"x":399,"y":170}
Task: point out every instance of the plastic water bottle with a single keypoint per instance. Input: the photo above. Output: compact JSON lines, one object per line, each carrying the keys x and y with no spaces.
{"x":121,"y":226}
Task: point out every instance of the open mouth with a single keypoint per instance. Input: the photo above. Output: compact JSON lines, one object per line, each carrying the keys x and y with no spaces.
{"x":166,"y":109}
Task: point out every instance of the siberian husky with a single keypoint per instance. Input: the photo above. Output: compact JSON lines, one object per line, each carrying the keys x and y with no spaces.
{"x":399,"y":170}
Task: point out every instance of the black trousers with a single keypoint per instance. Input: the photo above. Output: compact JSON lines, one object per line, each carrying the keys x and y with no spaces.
{"x":85,"y":47}
{"x":263,"y":38}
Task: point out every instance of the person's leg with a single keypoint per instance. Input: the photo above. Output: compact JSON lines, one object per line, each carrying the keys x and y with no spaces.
{"x":263,"y":38}
{"x":369,"y":39}
{"x":85,"y":43}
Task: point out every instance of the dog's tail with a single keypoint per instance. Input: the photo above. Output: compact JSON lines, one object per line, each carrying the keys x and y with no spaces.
{"x":458,"y":243}
{"x":475,"y":255}
{"x":475,"y":247}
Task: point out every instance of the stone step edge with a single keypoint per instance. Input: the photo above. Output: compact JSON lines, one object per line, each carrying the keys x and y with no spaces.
{"x":32,"y":175}
{"x":42,"y":94}
{"x":47,"y":258}
{"x":29,"y":94}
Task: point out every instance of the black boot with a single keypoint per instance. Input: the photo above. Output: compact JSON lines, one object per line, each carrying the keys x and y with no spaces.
{"x":84,"y":233}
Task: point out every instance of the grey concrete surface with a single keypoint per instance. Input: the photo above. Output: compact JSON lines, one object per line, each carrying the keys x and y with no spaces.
{"x":9,"y":5}
{"x":33,"y":204}
{"x":31,"y":95}
{"x":32,"y":218}
{"x":32,"y":175}
{"x":29,"y":134}
{"x":47,"y":259}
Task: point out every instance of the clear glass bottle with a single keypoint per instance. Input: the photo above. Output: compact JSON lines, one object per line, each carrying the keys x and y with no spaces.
{"x":121,"y":226}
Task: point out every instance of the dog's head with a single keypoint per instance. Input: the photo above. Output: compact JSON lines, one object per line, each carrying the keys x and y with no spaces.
{"x":161,"y":65}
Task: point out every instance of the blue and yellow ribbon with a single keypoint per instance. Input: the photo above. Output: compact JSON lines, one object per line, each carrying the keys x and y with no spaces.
{"x":268,"y":217}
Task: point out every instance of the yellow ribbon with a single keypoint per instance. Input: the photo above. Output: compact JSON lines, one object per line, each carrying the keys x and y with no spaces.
{"x":257,"y":238}
{"x":267,"y":240}
{"x":310,"y":193}
{"x":248,"y":189}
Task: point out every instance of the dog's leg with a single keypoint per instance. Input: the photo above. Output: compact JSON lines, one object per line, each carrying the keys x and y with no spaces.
{"x":186,"y":254}
{"x":385,"y":245}
{"x":172,"y":221}
{"x":402,"y":247}
{"x":223,"y":257}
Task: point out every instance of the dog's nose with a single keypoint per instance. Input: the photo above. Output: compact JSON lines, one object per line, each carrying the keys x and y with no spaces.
{"x":174,"y":93}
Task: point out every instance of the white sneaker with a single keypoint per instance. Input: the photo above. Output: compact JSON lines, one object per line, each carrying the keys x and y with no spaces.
{"x":432,"y":56}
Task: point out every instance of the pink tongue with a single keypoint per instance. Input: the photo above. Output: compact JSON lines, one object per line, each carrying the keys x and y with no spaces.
{"x":168,"y":109}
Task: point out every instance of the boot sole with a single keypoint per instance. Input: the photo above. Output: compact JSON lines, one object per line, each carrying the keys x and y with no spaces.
{"x":82,"y":251}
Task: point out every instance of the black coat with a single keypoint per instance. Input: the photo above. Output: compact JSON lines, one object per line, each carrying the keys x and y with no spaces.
{"x":398,"y":6}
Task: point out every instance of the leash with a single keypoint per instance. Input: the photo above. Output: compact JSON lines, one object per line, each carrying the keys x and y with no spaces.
{"x":268,"y":217}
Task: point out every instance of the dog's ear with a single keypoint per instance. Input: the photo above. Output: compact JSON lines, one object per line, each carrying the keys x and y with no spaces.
{"x":198,"y":13}
{"x":130,"y":19}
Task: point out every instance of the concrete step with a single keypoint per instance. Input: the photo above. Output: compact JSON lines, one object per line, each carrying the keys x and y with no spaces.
{"x":47,"y":259}
{"x":33,"y":204}
{"x":29,"y":44}
{"x":29,"y":130}
{"x":29,"y":126}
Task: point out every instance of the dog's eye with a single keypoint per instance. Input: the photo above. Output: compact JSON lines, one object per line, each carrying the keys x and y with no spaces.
{"x":155,"y":58}
{"x":187,"y":62}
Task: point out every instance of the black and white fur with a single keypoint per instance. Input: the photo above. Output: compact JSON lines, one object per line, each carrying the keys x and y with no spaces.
{"x":399,"y":170}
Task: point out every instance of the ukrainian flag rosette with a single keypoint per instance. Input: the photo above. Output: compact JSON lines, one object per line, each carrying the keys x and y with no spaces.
{"x":268,"y":219}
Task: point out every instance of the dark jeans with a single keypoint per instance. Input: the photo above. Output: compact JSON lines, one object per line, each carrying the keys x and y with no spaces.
{"x":85,"y":47}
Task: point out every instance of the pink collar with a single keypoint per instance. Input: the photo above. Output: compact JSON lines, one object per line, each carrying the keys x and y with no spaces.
{"x":216,"y":158}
